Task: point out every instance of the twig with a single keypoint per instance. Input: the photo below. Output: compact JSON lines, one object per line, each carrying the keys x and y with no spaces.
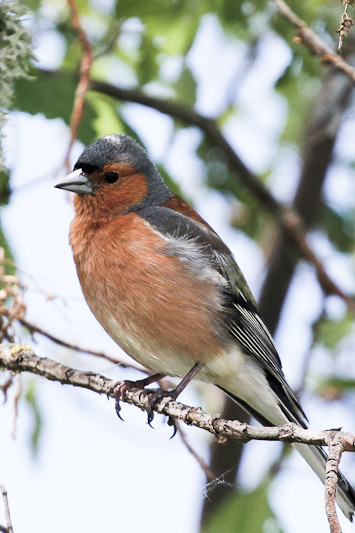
{"x":106,"y":48}
{"x":118,"y":362}
{"x":345,"y":23}
{"x":84,"y":81}
{"x":5,"y":387}
{"x":18,"y":360}
{"x":294,"y":227}
{"x":314,"y":43}
{"x":331,"y":481}
{"x":209,"y":475}
{"x":36,"y":329}
{"x":16,"y":402}
{"x":7,"y":509}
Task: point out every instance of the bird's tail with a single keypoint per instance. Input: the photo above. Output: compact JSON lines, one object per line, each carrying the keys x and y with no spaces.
{"x":314,"y":455}
{"x":317,"y":458}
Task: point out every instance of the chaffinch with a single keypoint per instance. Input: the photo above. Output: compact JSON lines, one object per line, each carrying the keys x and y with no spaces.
{"x":169,"y":292}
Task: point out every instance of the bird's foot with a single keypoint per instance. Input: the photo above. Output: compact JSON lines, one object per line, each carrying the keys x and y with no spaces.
{"x":120,"y":388}
{"x":154,"y":397}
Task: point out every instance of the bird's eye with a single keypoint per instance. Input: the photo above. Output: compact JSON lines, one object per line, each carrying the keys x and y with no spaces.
{"x":111,"y":177}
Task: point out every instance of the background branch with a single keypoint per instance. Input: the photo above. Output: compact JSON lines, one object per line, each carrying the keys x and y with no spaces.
{"x":313,"y":42}
{"x":84,"y":81}
{"x":9,"y":528}
{"x":33,"y":328}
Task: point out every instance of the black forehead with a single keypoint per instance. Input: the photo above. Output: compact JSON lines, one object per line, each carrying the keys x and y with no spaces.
{"x":114,"y":149}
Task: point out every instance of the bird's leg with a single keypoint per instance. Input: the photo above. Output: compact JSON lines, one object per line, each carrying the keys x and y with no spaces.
{"x":174,"y":393}
{"x":157,"y":394}
{"x":121,"y":387}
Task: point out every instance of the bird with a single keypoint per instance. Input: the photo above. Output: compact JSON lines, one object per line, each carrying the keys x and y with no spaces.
{"x":168,"y":290}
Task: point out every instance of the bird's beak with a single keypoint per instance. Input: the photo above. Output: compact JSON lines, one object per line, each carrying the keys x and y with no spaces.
{"x":77,"y":181}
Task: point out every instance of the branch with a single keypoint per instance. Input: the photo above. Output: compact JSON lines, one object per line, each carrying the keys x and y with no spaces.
{"x":84,"y":81}
{"x":313,"y":42}
{"x":345,"y":23}
{"x":36,"y":329}
{"x":208,"y":473}
{"x":331,"y":481}
{"x":19,"y":358}
{"x":9,"y":528}
{"x":320,"y":135}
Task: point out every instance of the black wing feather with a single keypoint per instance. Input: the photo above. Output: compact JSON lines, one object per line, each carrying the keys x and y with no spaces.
{"x":242,"y":318}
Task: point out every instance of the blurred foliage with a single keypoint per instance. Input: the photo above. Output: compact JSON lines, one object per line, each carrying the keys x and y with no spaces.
{"x":330,"y":331}
{"x":42,"y":87}
{"x":335,"y":388}
{"x":340,"y":227}
{"x":151,"y":46}
{"x":34,"y":407}
{"x":244,"y":512}
{"x":15,"y":53}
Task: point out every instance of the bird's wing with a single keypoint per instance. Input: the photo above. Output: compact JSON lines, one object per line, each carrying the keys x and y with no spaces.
{"x":242,"y":317}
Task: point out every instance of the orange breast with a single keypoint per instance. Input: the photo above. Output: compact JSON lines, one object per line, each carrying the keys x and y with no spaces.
{"x":147,"y":301}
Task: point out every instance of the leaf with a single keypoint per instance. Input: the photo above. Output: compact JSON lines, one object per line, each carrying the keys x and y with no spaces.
{"x":340,"y":228}
{"x":244,"y":512}
{"x":179,"y":33}
{"x":33,"y":4}
{"x":32,"y":402}
{"x":4,"y":187}
{"x":335,"y":388}
{"x":185,"y":87}
{"x":9,"y":268}
{"x":107,"y":120}
{"x":52,"y":93}
{"x":330,"y":332}
{"x":148,"y":67}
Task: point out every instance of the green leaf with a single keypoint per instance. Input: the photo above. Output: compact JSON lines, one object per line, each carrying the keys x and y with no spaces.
{"x":330,"y":332}
{"x":52,"y":93}
{"x":340,"y":228}
{"x":33,"y":4}
{"x":148,"y":66}
{"x":185,"y":87}
{"x":9,"y":267}
{"x":4,"y":186}
{"x":32,"y":402}
{"x":107,"y":120}
{"x":335,"y":387}
{"x":244,"y":512}
{"x":179,"y":34}
{"x":143,"y":9}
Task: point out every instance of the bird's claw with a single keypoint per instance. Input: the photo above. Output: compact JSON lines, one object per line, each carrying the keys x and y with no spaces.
{"x":173,"y":423}
{"x":154,"y":397}
{"x":118,"y":409}
{"x":118,"y":390}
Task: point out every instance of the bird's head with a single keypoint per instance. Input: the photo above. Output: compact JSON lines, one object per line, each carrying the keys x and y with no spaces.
{"x":114,"y":173}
